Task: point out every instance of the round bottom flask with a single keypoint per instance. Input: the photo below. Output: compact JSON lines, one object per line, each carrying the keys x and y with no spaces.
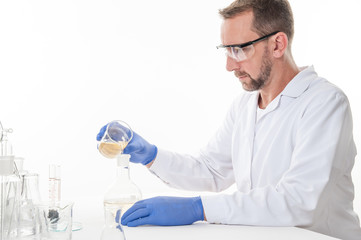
{"x":122,"y":194}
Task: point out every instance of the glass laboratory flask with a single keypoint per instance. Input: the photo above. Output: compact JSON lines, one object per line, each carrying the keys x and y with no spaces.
{"x":19,"y":162}
{"x":9,"y":190}
{"x":29,"y":221}
{"x":123,"y":193}
{"x":112,"y":230}
{"x":10,"y":198}
{"x":116,"y":137}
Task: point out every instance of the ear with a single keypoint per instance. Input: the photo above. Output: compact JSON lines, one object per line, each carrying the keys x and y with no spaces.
{"x":280,"y":45}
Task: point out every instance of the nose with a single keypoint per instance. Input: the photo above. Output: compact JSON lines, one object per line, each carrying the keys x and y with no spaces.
{"x":231,"y":64}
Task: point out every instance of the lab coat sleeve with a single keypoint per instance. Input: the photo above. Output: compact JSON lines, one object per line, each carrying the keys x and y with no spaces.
{"x":323,"y":140}
{"x":211,"y":170}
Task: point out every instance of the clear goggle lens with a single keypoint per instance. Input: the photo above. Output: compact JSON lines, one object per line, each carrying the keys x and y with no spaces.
{"x":240,"y":54}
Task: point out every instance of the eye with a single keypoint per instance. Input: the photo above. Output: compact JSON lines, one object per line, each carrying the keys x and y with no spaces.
{"x":247,"y":49}
{"x":236,"y":50}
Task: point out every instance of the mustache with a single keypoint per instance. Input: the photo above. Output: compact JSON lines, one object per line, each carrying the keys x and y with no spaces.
{"x":240,"y":73}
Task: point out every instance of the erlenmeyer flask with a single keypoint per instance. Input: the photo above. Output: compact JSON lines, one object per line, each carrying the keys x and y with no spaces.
{"x":116,"y":137}
{"x":29,"y":221}
{"x":9,"y":189}
{"x":10,"y":198}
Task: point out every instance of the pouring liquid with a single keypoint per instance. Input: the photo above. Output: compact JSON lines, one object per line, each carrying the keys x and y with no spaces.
{"x":111,"y":149}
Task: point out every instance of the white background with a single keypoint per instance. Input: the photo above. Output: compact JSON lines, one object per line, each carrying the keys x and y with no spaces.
{"x":68,"y":67}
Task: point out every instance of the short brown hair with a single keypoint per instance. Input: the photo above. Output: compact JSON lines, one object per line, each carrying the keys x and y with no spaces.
{"x":268,"y":15}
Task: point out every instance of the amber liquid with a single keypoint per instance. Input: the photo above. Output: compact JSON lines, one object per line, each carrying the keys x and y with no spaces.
{"x":111,"y":149}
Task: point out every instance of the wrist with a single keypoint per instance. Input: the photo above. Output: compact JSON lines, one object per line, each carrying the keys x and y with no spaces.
{"x":198,"y":209}
{"x":149,"y":162}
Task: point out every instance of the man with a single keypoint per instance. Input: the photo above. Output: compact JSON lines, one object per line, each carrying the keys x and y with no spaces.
{"x":286,"y":142}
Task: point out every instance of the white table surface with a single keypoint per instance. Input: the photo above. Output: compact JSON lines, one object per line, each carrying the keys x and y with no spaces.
{"x":89,"y":212}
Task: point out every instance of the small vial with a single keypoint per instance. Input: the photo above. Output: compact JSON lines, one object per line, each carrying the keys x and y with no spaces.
{"x":54,"y":184}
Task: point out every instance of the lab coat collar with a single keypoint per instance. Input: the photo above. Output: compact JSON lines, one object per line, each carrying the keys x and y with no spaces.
{"x":299,"y":84}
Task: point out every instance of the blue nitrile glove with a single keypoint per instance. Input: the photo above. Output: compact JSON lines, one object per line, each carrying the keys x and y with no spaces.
{"x":164,"y":211}
{"x":140,"y":150}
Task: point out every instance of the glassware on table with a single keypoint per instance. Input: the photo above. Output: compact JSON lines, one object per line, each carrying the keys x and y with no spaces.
{"x":56,"y":221}
{"x":9,"y":189}
{"x":116,"y":137}
{"x":55,"y":191}
{"x":10,"y":198}
{"x":123,"y":193}
{"x":29,"y":220}
{"x":54,"y":183}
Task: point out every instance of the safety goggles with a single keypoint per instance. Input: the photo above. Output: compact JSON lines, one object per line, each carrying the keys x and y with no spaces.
{"x":241,"y":52}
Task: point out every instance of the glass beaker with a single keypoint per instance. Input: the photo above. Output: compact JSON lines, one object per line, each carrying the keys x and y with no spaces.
{"x":29,"y":221}
{"x":116,"y":137}
{"x":56,"y":221}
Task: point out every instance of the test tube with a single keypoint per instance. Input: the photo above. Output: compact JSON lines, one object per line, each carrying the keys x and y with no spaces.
{"x":54,"y":184}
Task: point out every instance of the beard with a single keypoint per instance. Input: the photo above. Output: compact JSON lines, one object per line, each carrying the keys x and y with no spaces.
{"x":257,"y":83}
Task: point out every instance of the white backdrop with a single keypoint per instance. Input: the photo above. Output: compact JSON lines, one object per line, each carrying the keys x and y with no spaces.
{"x":68,"y":67}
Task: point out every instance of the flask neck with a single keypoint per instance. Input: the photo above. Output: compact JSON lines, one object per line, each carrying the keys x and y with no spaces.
{"x":6,"y":147}
{"x":30,"y":187}
{"x":123,"y":173}
{"x":123,"y":167}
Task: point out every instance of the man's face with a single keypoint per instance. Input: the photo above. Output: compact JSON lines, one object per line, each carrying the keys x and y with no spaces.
{"x":254,"y":72}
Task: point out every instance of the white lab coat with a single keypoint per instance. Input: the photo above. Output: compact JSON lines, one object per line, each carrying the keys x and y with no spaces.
{"x":292,"y":166}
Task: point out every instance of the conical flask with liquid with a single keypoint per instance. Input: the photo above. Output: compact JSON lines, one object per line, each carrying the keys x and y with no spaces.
{"x":9,"y":189}
{"x":29,"y":221}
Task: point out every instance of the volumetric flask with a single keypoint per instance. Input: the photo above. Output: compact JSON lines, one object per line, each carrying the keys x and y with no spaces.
{"x":116,"y":137}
